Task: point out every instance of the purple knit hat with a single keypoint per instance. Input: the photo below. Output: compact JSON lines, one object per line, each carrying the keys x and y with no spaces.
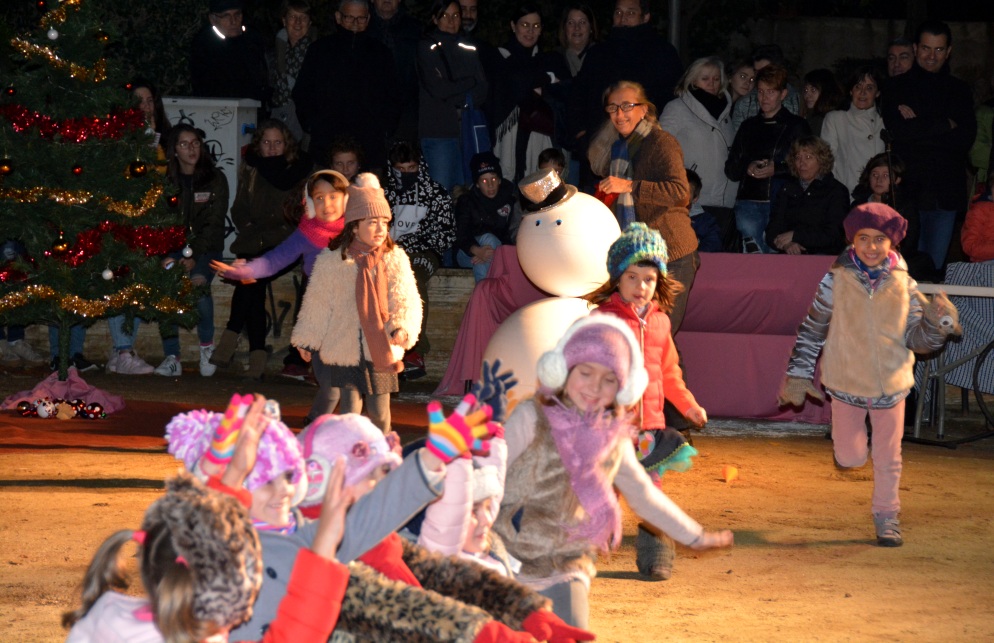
{"x":601,"y":339}
{"x":352,"y":435}
{"x":876,"y":216}
{"x":189,"y":437}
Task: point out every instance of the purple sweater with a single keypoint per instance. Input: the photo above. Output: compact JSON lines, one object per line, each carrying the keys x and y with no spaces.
{"x":292,"y":248}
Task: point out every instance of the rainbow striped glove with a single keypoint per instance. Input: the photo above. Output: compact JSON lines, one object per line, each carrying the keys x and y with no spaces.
{"x":222,"y":445}
{"x":454,"y":436}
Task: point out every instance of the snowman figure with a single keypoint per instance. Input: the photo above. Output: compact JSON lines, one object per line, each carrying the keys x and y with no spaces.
{"x":562,"y":247}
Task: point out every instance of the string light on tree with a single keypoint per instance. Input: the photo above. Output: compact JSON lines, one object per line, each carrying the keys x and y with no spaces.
{"x":6,"y":167}
{"x":137,"y":169}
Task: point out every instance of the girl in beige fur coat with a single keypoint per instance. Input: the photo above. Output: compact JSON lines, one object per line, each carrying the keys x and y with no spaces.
{"x":361,"y":311}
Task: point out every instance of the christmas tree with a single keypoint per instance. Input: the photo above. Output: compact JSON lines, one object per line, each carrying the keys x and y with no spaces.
{"x":78,"y":186}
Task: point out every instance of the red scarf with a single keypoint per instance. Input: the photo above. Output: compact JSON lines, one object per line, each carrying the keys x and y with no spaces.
{"x":319,"y":233}
{"x":372,"y":301}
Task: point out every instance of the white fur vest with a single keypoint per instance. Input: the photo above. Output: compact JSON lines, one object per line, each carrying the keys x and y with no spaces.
{"x":328,"y":323}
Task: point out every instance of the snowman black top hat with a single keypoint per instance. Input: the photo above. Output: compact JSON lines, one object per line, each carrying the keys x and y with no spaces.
{"x":543,"y":190}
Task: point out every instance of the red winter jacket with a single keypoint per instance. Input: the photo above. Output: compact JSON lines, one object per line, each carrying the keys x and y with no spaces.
{"x":661,"y":361}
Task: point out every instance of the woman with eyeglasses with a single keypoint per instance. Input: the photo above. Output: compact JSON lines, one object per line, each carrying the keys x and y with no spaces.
{"x":450,"y":75}
{"x":643,"y":165}
{"x":701,"y":120}
{"x":273,"y":168}
{"x":201,"y":192}
{"x":526,"y":94}
{"x":758,"y":158}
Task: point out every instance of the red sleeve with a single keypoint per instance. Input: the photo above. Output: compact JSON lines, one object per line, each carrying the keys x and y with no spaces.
{"x":313,"y":600}
{"x":674,"y":388}
{"x":243,"y":496}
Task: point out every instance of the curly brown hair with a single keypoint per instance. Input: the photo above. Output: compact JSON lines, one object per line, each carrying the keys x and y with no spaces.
{"x":818,"y":147}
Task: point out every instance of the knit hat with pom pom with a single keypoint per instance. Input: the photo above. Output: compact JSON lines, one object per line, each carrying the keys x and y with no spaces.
{"x":366,"y":199}
{"x":189,"y":437}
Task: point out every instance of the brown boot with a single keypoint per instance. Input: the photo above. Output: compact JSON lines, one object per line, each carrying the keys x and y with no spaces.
{"x":225,"y":349}
{"x":654,"y":554}
{"x":257,"y":364}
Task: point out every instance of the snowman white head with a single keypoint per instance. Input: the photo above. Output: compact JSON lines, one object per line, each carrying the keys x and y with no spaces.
{"x":564,"y":236}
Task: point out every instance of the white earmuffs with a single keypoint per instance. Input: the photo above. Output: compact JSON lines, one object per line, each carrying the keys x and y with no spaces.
{"x":308,"y":201}
{"x":552,"y":370}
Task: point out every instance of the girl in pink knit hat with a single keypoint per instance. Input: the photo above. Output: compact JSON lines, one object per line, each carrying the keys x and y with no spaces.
{"x":361,"y":311}
{"x":569,"y":448}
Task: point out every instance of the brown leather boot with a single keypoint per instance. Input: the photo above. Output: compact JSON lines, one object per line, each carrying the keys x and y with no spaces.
{"x":257,"y":364}
{"x":224,"y":350}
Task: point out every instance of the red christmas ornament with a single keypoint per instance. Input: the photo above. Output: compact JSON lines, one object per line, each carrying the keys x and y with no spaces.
{"x":137,"y":169}
{"x":6,"y":167}
{"x":173,"y":201}
{"x":77,"y":170}
{"x":42,"y":5}
{"x":153,"y":241}
{"x":9,"y":91}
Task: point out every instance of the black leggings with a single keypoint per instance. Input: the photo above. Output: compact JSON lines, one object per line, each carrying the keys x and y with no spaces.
{"x":248,"y":312}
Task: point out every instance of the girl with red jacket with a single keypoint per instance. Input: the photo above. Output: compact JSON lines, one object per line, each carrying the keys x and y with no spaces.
{"x":641,"y":294}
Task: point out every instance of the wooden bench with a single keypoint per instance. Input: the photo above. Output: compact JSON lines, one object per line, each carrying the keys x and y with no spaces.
{"x":448,"y":293}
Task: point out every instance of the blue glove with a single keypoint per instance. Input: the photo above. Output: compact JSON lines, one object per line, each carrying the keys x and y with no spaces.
{"x":492,"y":389}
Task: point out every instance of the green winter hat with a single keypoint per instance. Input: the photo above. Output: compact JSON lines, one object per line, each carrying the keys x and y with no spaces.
{"x":637,"y":243}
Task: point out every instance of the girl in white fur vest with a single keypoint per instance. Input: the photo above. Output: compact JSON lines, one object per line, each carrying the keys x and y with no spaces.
{"x":361,"y":311}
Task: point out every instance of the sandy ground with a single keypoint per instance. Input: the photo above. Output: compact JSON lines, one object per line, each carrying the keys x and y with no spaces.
{"x":804,"y":567}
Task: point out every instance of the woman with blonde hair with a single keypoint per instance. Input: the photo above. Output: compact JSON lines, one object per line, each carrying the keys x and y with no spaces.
{"x":701,"y":121}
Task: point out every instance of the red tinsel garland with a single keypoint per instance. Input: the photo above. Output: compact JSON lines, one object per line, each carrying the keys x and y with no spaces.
{"x":74,"y":129}
{"x":154,"y":241}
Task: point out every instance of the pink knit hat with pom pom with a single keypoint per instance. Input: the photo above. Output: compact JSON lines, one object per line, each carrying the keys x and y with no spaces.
{"x":189,"y":437}
{"x":351,"y":435}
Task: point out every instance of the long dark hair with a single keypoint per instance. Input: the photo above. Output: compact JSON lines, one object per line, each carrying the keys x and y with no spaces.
{"x":160,"y":123}
{"x":350,"y":234}
{"x":203,"y":171}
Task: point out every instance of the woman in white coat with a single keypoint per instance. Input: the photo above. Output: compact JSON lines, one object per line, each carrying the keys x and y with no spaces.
{"x":700,"y":119}
{"x":854,"y":134}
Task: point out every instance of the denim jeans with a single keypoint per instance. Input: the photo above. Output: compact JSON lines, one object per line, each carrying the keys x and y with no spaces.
{"x":77,"y":335}
{"x":936,"y":233}
{"x":480,"y":270}
{"x":205,"y":308}
{"x":444,"y":158}
{"x":123,"y":341}
{"x":751,"y":219}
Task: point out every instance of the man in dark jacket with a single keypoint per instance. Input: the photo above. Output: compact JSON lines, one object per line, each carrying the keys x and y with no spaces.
{"x":347,"y":87}
{"x":634,"y":50}
{"x":400,"y":32}
{"x":930,"y":115}
{"x":226,"y":60}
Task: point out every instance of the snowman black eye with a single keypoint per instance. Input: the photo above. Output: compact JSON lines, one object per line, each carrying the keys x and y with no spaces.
{"x":559,"y":221}
{"x":538,"y":222}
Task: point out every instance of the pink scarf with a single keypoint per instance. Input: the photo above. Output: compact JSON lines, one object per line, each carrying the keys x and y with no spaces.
{"x":320,"y":233}
{"x":371,"y":300}
{"x":584,"y":441}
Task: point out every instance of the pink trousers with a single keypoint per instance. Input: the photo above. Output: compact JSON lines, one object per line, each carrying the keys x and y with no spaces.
{"x":849,"y":438}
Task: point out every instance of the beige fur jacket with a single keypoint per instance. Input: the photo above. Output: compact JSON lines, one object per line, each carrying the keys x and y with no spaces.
{"x":328,"y":324}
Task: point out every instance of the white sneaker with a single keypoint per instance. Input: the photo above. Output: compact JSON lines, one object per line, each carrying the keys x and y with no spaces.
{"x":111,"y":365}
{"x":170,"y":367}
{"x":206,"y":368}
{"x":127,"y":363}
{"x":24,"y":350}
{"x":7,"y":355}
